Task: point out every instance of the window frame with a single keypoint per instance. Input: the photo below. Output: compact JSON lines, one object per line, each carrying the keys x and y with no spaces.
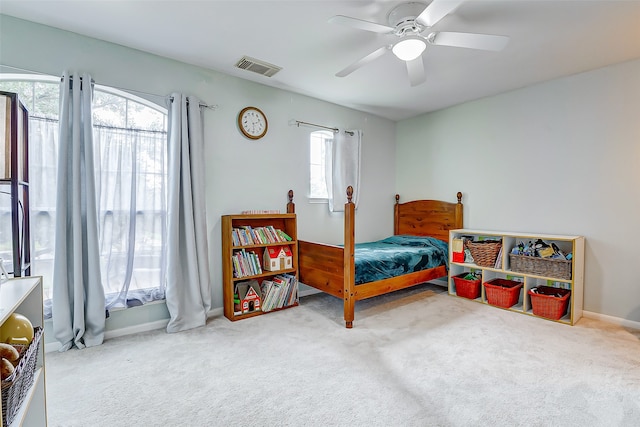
{"x":323,"y":135}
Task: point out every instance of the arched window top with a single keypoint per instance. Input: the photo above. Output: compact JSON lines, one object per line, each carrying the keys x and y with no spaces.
{"x":39,"y":93}
{"x":116,"y":108}
{"x":112,"y":107}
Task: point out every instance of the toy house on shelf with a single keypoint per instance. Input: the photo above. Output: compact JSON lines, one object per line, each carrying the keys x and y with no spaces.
{"x":249,"y":295}
{"x":278,"y":258}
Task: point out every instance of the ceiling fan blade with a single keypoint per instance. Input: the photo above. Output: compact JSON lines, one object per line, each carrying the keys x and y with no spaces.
{"x":469,"y":40}
{"x":359,"y":63}
{"x":415,"y":68}
{"x":360,"y":24}
{"x":437,"y":10}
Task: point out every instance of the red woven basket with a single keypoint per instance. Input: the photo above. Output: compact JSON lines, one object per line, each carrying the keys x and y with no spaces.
{"x":550,"y":302}
{"x":466,"y":288}
{"x":502,"y":292}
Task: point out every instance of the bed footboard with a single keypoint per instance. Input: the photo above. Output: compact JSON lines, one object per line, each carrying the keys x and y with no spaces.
{"x":320,"y":266}
{"x":331,"y":268}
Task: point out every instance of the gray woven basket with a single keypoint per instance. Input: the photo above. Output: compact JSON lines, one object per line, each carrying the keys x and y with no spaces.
{"x":548,"y":267}
{"x":17,"y":385}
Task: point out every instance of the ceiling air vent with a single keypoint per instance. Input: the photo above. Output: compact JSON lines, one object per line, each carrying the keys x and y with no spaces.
{"x":260,"y":67}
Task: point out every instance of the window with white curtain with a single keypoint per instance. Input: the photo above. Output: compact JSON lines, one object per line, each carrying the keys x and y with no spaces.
{"x":318,"y":144}
{"x":130,"y":137}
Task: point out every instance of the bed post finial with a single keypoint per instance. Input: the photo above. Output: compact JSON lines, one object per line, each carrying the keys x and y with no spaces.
{"x":397,"y":199}
{"x":349,"y":194}
{"x":291,"y":207}
{"x":459,"y":195}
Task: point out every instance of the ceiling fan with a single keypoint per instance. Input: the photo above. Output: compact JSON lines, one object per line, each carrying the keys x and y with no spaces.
{"x":408,"y":21}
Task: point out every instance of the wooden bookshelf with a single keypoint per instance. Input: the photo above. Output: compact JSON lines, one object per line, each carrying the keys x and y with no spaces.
{"x":232,"y":247}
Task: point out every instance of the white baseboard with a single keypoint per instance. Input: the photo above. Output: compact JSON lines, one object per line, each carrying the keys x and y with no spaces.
{"x":215,"y":312}
{"x":150,"y":326}
{"x":610,"y":319}
{"x":144,"y":327}
{"x":440,"y":282}
{"x":50,"y":347}
{"x":308,"y":292}
{"x":136,"y":329}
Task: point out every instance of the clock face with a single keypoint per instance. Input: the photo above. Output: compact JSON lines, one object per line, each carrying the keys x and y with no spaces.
{"x":252,"y":123}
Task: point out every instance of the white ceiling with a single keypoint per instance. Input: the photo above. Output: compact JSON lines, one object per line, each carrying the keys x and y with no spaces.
{"x":548,"y":39}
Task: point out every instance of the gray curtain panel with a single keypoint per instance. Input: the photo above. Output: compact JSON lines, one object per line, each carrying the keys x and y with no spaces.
{"x":188,"y":289}
{"x":78,"y":298}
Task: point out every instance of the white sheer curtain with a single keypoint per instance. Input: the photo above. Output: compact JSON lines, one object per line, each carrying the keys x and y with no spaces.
{"x":188,"y":289}
{"x":78,"y":297}
{"x":343,"y":168}
{"x":131,"y":192}
{"x":43,"y":160}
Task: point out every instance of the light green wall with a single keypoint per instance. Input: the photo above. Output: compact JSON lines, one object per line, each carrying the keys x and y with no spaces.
{"x":559,"y":157}
{"x":241,"y":174}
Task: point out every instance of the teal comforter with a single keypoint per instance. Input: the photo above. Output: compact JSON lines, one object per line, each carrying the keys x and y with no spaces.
{"x":398,"y":255}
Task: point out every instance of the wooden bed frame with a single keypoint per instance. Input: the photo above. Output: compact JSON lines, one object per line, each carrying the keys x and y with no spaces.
{"x":331,"y":268}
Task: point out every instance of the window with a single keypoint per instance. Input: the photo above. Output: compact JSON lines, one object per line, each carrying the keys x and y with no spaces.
{"x":130,"y":137}
{"x":318,"y":145}
{"x":41,"y":99}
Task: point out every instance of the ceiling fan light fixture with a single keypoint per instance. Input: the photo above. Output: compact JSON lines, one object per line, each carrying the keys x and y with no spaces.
{"x":409,"y":49}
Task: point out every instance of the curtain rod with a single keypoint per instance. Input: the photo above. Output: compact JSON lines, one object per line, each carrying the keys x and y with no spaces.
{"x":335,"y":130}
{"x":202,"y":104}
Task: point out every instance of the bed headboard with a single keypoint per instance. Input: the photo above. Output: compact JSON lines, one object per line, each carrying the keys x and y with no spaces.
{"x":427,"y":217}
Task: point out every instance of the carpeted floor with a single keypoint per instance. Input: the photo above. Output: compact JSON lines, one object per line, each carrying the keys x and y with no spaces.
{"x":414,"y":358}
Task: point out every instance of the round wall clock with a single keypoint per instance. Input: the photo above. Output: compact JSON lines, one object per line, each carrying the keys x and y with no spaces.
{"x":252,"y":123}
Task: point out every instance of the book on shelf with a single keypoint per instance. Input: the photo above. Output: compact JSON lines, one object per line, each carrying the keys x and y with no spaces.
{"x":284,"y":236}
{"x":269,"y":232}
{"x":265,"y":288}
{"x":260,"y":236}
{"x":282,"y":291}
{"x":246,"y":230}
{"x":267,"y":294}
{"x":271,"y":295}
{"x":246,"y":263}
{"x":247,"y":235}
{"x":260,"y":211}
{"x":498,"y":263}
{"x":291,"y":295}
{"x":279,"y":292}
{"x":556,"y":284}
{"x":276,"y":290}
{"x":255,"y":263}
